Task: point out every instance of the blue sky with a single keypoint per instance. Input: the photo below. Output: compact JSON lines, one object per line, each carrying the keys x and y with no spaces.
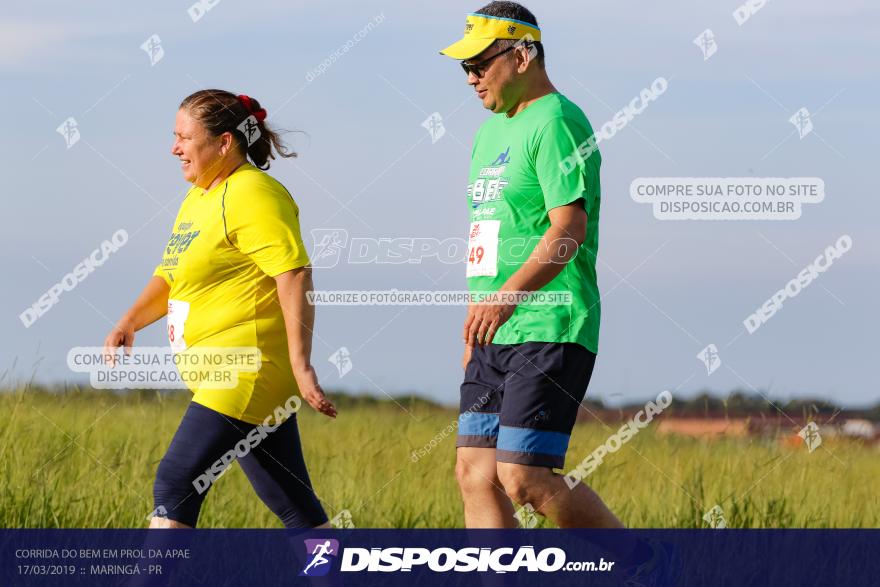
{"x":671,"y":288}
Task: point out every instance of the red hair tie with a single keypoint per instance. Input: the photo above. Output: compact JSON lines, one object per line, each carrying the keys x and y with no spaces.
{"x":260,"y":114}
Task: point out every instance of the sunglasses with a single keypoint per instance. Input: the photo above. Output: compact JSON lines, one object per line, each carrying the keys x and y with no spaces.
{"x":479,"y":68}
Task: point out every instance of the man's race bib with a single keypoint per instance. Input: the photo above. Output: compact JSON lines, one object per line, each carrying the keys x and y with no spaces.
{"x":483,"y":248}
{"x":177,"y":313}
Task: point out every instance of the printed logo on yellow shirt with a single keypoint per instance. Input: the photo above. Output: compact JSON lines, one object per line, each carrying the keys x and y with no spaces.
{"x":179,"y":242}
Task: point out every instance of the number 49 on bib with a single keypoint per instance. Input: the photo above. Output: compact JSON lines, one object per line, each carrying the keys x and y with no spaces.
{"x":482,"y":259}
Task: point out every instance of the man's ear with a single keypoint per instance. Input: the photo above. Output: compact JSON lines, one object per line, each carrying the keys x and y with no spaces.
{"x":522,"y":59}
{"x":525,"y":53}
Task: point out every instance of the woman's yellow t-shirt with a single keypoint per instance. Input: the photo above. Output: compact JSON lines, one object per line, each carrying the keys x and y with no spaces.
{"x":226,"y":247}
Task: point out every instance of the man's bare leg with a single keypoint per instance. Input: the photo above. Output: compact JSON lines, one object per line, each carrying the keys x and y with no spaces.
{"x":158,"y":522}
{"x":548,"y":493}
{"x":486,"y":504}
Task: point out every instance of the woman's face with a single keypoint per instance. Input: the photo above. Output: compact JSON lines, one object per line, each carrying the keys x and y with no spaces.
{"x":200,"y":153}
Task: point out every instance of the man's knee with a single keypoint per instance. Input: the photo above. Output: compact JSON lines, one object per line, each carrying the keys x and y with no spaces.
{"x":525,"y":484}
{"x":475,"y":475}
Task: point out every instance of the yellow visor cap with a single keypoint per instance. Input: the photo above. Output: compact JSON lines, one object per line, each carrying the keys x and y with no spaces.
{"x":480,"y":31}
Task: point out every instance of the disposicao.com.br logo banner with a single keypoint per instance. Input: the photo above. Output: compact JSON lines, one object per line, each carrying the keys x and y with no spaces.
{"x":505,"y":559}
{"x":713,"y":555}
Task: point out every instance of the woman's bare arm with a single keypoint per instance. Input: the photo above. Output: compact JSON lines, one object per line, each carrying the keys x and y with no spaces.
{"x":150,"y":305}
{"x":299,"y":319}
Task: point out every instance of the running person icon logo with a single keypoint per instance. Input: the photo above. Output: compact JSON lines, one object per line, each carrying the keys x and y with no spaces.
{"x":329,"y":244}
{"x":503,"y":158}
{"x":318,"y":563}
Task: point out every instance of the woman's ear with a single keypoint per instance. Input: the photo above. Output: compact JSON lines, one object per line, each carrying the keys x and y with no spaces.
{"x":226,"y":142}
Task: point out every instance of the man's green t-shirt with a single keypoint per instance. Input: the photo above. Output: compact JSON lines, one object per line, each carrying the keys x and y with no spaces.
{"x":516,"y":177}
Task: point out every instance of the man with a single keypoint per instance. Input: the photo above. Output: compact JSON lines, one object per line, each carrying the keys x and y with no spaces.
{"x":533,"y":229}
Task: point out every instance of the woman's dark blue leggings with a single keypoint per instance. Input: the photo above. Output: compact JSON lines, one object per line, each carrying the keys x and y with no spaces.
{"x":207,"y":441}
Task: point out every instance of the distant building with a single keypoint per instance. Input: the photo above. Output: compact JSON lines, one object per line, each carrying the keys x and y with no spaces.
{"x":704,"y":427}
{"x":859,"y":428}
{"x":777,"y":425}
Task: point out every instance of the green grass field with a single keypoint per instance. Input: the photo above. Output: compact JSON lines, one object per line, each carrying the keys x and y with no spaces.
{"x":87,"y":459}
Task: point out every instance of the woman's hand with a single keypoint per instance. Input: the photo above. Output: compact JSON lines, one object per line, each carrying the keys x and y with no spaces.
{"x":151,"y":305}
{"x":307,"y":380}
{"x":122,"y":335}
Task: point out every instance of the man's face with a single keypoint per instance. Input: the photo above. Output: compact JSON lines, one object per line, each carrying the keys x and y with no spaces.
{"x":198,"y":151}
{"x":500,"y":86}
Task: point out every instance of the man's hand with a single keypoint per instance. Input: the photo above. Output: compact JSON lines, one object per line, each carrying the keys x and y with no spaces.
{"x":307,"y":380}
{"x":485,"y":318}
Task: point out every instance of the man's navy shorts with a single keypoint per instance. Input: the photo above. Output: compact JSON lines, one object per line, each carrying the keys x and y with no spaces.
{"x":523,"y":399}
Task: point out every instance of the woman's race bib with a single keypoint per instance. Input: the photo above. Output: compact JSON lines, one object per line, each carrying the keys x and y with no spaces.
{"x":177,"y":313}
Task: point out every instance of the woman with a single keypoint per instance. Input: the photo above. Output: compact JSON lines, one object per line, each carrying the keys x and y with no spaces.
{"x":234,"y":274}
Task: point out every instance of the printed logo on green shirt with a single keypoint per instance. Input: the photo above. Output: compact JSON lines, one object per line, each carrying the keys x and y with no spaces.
{"x":490,"y":184}
{"x":503,"y":158}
